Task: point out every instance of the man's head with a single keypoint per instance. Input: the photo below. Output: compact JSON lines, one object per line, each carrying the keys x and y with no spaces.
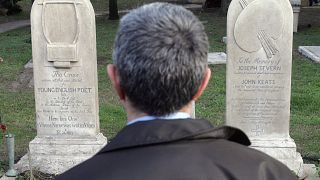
{"x":160,"y":58}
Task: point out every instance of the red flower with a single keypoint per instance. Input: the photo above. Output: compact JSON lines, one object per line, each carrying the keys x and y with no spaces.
{"x":3,"y":127}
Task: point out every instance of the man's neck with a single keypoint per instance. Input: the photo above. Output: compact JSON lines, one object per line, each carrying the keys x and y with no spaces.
{"x":172,"y":116}
{"x":133,"y":113}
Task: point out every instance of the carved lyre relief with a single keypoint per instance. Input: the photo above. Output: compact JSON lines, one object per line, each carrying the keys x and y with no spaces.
{"x":259,"y":25}
{"x":60,"y":25}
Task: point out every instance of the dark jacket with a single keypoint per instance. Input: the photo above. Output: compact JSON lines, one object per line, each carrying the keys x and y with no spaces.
{"x":179,"y":150}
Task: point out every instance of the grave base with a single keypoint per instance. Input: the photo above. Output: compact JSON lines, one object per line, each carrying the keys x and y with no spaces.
{"x":54,"y":156}
{"x":283,"y":150}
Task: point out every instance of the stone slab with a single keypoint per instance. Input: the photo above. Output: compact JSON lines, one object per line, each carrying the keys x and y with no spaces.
{"x":217,"y":58}
{"x":54,"y":156}
{"x":311,"y":52}
{"x":224,"y":39}
{"x":29,"y":65}
{"x":282,"y":149}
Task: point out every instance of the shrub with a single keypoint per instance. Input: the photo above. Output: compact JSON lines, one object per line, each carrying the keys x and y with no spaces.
{"x":10,"y":7}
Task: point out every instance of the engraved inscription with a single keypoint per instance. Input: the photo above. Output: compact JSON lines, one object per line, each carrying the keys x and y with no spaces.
{"x":260,"y":112}
{"x":67,"y":104}
{"x":258,"y":66}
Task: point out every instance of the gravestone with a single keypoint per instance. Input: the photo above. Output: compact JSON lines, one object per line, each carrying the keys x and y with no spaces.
{"x":311,"y":52}
{"x":217,"y":58}
{"x":65,"y":84}
{"x":224,"y":39}
{"x":259,"y":48}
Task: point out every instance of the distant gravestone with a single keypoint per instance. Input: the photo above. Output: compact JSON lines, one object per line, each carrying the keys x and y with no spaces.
{"x":65,"y":84}
{"x":217,"y":58}
{"x":311,"y":52}
{"x":224,"y":39}
{"x":259,"y":48}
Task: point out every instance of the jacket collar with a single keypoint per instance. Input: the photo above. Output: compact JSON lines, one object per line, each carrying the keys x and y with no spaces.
{"x":160,"y":131}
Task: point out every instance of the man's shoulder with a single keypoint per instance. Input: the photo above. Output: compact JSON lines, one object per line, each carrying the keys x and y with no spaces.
{"x":169,"y":149}
{"x":197,"y":159}
{"x":158,"y":132}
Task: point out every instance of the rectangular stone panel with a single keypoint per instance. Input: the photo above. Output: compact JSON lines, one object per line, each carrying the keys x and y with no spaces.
{"x":61,"y":52}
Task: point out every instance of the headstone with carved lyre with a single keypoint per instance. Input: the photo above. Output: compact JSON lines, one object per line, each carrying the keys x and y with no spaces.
{"x":65,"y":84}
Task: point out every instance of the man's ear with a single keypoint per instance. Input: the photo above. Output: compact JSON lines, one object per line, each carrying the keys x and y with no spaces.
{"x":115,"y":80}
{"x":203,"y":84}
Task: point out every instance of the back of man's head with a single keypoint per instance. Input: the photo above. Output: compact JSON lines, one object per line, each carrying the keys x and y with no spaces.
{"x":161,"y":56}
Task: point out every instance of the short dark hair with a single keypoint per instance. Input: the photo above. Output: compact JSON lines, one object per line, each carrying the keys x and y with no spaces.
{"x":161,"y":53}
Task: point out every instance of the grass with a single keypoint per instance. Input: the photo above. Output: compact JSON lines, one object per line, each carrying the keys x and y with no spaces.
{"x":99,"y":5}
{"x":305,"y":101}
{"x":19,"y":111}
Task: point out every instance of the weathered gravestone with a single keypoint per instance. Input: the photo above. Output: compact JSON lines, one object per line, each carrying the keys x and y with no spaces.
{"x":65,"y":83}
{"x":259,"y":48}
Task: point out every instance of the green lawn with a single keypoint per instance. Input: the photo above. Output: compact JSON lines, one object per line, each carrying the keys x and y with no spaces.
{"x":99,"y":6}
{"x":19,"y":111}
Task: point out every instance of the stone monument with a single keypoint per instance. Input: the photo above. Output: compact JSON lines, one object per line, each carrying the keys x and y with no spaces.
{"x":259,"y":48}
{"x":65,"y":84}
{"x":296,"y":6}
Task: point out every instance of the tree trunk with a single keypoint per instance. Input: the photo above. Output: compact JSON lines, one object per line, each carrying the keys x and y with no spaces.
{"x":225,"y":5}
{"x":113,"y":10}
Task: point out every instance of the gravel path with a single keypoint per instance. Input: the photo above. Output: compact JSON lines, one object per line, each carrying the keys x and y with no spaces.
{"x":13,"y":25}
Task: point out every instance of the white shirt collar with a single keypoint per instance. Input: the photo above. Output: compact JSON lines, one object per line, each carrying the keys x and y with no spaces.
{"x":177,"y":115}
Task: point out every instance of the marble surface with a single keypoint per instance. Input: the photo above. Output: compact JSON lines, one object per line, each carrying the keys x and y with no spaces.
{"x":65,"y":84}
{"x":259,"y":49}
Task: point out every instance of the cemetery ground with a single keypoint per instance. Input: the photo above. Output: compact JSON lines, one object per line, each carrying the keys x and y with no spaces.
{"x":17,"y":98}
